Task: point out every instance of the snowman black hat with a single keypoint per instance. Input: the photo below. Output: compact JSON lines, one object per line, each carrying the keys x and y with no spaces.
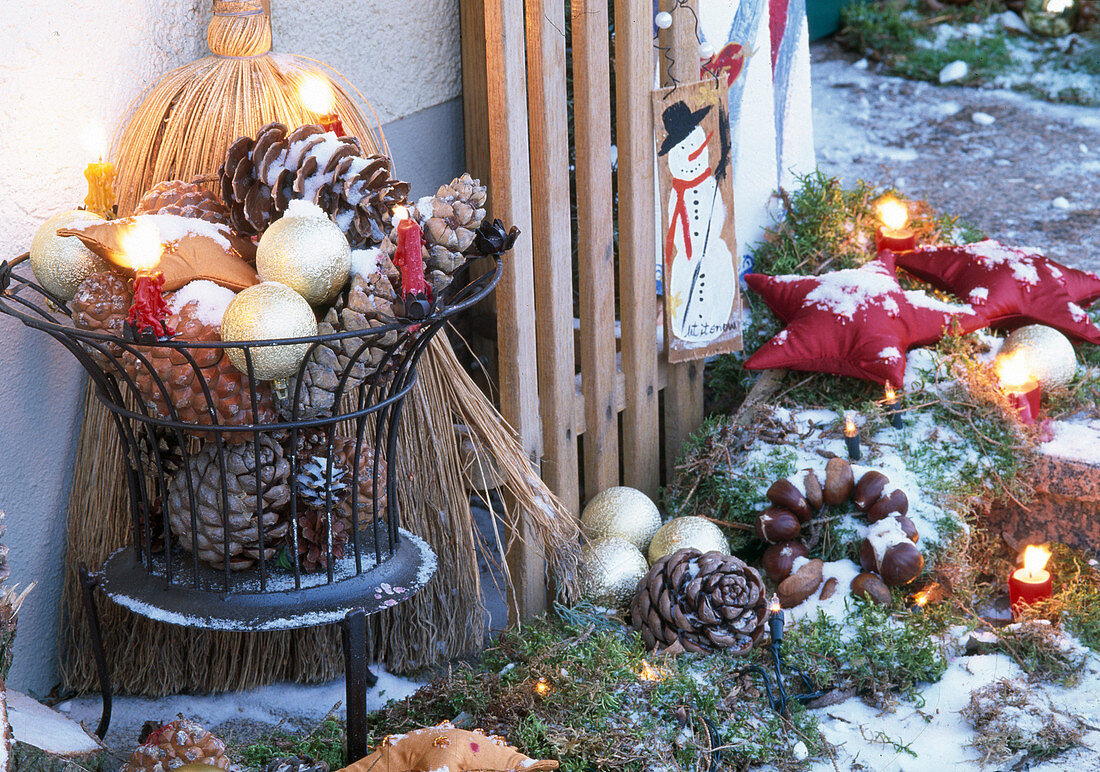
{"x":680,"y":121}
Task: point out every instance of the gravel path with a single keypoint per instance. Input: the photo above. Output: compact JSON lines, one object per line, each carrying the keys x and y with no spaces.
{"x":1030,"y":177}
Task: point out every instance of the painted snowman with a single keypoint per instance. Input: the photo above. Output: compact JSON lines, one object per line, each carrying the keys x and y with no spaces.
{"x":700,"y":273}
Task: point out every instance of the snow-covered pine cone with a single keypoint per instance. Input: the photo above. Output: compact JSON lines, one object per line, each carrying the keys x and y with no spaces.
{"x":261,"y":175}
{"x":702,"y":601}
{"x":175,"y":744}
{"x":313,"y":479}
{"x":241,"y":494}
{"x":100,"y":305}
{"x":186,"y":199}
{"x":453,"y":216}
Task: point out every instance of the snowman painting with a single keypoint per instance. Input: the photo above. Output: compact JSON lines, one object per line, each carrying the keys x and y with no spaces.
{"x":700,"y":270}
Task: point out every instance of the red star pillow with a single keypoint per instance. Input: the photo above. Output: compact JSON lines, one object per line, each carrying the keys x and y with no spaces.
{"x":1010,"y":286}
{"x":856,"y":322}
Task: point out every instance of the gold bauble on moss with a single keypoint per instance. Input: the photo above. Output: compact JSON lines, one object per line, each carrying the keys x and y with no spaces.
{"x":60,"y":263}
{"x":610,"y":571}
{"x":1051,"y":359}
{"x":682,"y":532}
{"x":268,"y":311}
{"x":624,"y":512}
{"x":307,"y":252}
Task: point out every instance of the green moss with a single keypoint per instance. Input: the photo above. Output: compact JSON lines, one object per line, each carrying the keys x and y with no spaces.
{"x":326,"y":742}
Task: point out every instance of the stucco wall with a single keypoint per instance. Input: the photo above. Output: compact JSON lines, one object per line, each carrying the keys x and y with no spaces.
{"x":63,"y":62}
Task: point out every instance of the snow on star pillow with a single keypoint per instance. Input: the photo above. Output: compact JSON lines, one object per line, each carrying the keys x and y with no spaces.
{"x":856,"y":321}
{"x":1010,"y":286}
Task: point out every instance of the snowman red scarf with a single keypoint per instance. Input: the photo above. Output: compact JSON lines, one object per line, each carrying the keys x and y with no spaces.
{"x":680,"y":212}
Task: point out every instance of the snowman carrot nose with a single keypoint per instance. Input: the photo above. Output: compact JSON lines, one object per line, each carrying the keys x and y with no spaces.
{"x":701,"y":148}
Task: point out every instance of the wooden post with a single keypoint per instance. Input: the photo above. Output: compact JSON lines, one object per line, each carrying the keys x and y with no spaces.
{"x":684,"y":394}
{"x":500,"y":24}
{"x":637,"y":278}
{"x":548,"y":117}
{"x":596,"y":239}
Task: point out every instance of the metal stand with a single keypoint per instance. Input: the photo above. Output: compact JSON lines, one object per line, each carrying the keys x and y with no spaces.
{"x":88,"y":583}
{"x":357,"y":679}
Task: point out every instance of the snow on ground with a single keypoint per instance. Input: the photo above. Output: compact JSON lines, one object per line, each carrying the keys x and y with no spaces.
{"x":1075,"y":441}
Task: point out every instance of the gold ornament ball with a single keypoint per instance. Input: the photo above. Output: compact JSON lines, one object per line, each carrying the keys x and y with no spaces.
{"x":309,"y":254}
{"x":268,"y":311}
{"x":624,"y":512}
{"x":60,"y":263}
{"x":1051,"y":359}
{"x":610,"y":571}
{"x":682,"y":532}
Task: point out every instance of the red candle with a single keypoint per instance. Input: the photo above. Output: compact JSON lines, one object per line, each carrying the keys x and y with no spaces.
{"x":316,"y":94}
{"x":1032,"y":583}
{"x":149,"y":311}
{"x":409,"y":258}
{"x":892,"y":234}
{"x":1021,"y":389}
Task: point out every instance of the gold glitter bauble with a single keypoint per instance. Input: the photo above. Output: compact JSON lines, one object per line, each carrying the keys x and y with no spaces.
{"x":268,"y":311}
{"x":1051,"y":359}
{"x":624,"y":512}
{"x":309,"y":254}
{"x":610,"y":571}
{"x":60,"y":263}
{"x":682,"y":532}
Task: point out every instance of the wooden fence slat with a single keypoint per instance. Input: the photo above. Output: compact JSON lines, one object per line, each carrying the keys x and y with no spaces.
{"x":548,"y":119}
{"x":592,"y":152}
{"x":684,"y":395}
{"x":637,"y":280}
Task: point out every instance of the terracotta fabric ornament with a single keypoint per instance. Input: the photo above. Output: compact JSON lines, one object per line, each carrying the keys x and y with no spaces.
{"x":191,"y":249}
{"x":446,"y":749}
{"x":1010,"y":286}
{"x":856,"y":322}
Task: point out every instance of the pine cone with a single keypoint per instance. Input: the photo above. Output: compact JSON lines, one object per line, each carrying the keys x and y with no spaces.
{"x":704,"y":602}
{"x":296,"y":764}
{"x":261,"y":176}
{"x":186,"y":199}
{"x":175,"y":744}
{"x":313,"y":480}
{"x":455,"y":213}
{"x":240,"y":491}
{"x":229,"y":388}
{"x":313,"y":540}
{"x":100,"y":305}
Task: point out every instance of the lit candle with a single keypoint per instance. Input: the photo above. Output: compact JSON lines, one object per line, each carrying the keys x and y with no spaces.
{"x":317,"y":95}
{"x":149,"y":312}
{"x":648,"y":673}
{"x":775,"y":619}
{"x":1017,"y":384}
{"x":100,"y":174}
{"x":892,"y":406}
{"x":892,"y":234}
{"x":1032,"y":583}
{"x":543,"y":687}
{"x":851,"y":438}
{"x":410,"y":260}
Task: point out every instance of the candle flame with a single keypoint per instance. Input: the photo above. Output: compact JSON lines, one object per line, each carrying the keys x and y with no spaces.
{"x":543,"y":687}
{"x":316,"y":94}
{"x":921,"y":598}
{"x":1057,"y":6}
{"x":891,"y":395}
{"x":773,"y":605}
{"x":849,"y":426}
{"x":1012,"y":370}
{"x":1035,"y":560}
{"x":892,"y":213}
{"x":399,"y":213}
{"x":94,"y":140}
{"x":141,"y":245}
{"x":649,"y":673}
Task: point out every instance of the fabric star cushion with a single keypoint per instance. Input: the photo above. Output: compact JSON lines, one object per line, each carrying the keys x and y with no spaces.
{"x":446,"y":749}
{"x":856,"y":321}
{"x":1010,"y":286}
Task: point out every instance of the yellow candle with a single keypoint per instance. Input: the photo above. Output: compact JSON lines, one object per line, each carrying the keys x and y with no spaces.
{"x":101,"y":188}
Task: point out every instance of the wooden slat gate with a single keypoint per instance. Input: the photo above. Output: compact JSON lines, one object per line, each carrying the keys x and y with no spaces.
{"x":515,"y":91}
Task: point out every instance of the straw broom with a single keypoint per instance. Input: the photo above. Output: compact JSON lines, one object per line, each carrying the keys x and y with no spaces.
{"x":181,"y":130}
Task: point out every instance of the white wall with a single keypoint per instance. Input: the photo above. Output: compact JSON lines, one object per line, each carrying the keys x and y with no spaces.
{"x":63,"y":62}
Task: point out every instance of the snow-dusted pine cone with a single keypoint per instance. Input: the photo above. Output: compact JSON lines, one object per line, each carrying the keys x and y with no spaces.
{"x":241,"y":495}
{"x":261,"y":175}
{"x":100,"y":305}
{"x":186,"y":199}
{"x":229,"y":388}
{"x":175,"y":744}
{"x":456,"y":212}
{"x":703,"y":602}
{"x":313,"y":479}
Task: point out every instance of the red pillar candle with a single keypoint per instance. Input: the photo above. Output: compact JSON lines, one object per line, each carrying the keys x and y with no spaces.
{"x":892,"y":235}
{"x":1019,"y":386}
{"x":149,"y":312}
{"x":409,"y":258}
{"x":1032,"y":583}
{"x":317,"y":95}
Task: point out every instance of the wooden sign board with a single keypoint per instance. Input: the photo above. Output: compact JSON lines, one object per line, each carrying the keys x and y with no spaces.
{"x":700,"y":276}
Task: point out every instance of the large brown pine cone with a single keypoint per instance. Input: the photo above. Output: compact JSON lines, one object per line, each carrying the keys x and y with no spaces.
{"x":313,"y":541}
{"x":313,"y":479}
{"x":175,"y":744}
{"x":260,"y":176}
{"x":457,"y":211}
{"x":186,"y":199}
{"x":100,"y":305}
{"x":229,"y":388}
{"x":703,"y":602}
{"x":241,"y":495}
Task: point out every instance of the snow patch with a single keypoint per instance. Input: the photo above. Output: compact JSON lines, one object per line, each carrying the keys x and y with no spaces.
{"x":210,"y":300}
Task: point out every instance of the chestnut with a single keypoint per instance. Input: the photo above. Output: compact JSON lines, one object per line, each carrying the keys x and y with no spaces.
{"x":871,"y":587}
{"x":901,"y":564}
{"x":889,"y":503}
{"x":815,"y":494}
{"x":908,"y":527}
{"x":779,"y":559}
{"x":784,"y":493}
{"x":800,"y":585}
{"x":839,"y":481}
{"x":867,"y":560}
{"x":869,"y":488}
{"x":776,"y":524}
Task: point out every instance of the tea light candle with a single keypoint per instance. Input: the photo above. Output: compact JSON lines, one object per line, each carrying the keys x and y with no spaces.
{"x":1032,"y":583}
{"x":851,"y":439}
{"x":892,"y":235}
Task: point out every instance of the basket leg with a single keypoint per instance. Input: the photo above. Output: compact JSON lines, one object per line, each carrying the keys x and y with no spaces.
{"x":357,"y":678}
{"x":88,"y":583}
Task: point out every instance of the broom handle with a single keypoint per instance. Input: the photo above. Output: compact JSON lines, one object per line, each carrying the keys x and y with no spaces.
{"x":240,"y":28}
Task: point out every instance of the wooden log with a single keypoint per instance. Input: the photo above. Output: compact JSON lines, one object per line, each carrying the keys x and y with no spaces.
{"x":46,"y":741}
